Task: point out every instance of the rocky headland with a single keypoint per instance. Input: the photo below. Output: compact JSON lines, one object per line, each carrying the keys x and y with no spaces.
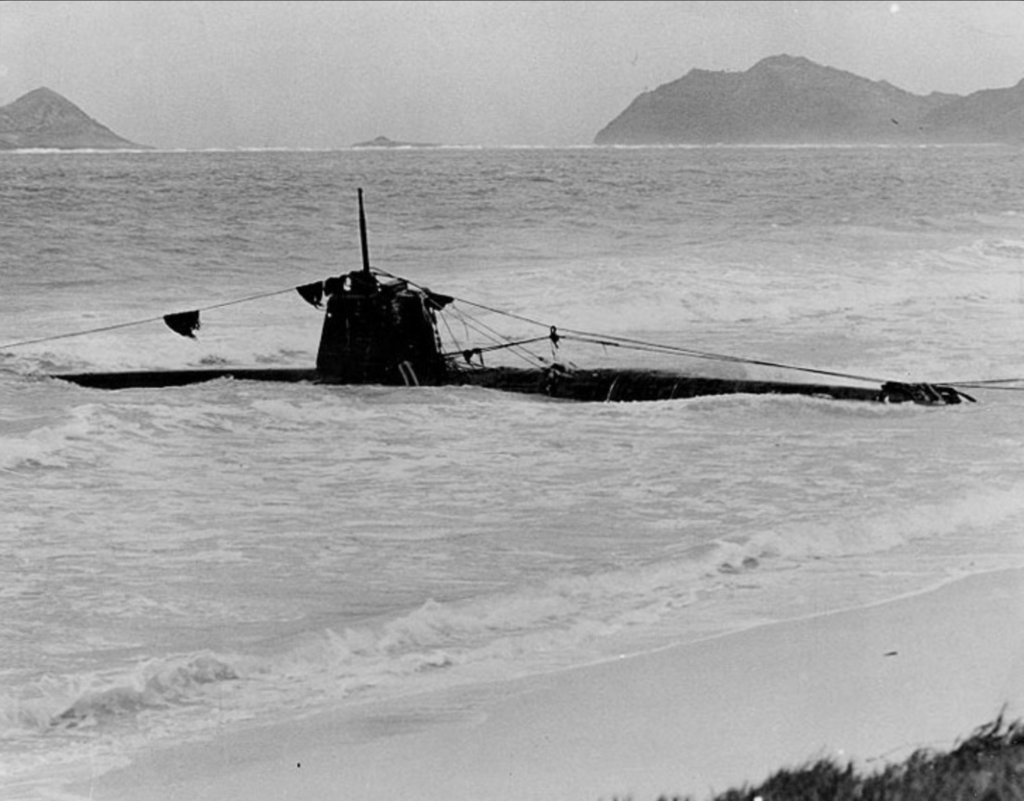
{"x":791,"y":100}
{"x":43,"y":119}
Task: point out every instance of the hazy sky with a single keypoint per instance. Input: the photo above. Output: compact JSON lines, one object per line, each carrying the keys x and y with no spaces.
{"x":329,"y":74}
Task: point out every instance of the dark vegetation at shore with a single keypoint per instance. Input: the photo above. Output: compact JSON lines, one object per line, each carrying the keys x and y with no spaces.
{"x":987,"y":766}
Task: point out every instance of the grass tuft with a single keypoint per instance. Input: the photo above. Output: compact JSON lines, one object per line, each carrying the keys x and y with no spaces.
{"x":987,"y":766}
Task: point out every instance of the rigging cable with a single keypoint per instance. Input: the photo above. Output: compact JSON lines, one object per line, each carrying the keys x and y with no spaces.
{"x":987,"y":385}
{"x":608,"y":340}
{"x":145,"y":321}
{"x":501,"y":342}
{"x":614,"y":341}
{"x":624,"y":342}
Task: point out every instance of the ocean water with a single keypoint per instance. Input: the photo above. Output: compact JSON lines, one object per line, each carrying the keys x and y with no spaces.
{"x":182,"y":562}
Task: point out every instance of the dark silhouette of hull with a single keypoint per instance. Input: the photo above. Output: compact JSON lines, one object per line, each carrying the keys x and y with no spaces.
{"x":386,"y":333}
{"x":605,"y":385}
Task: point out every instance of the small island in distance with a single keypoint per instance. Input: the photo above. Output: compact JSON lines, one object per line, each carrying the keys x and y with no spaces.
{"x":43,"y":119}
{"x":384,"y":142}
{"x":786,"y":99}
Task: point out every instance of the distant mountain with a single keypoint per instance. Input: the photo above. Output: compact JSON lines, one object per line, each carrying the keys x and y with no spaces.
{"x":45,"y":119}
{"x":791,"y":100}
{"x":383,"y":141}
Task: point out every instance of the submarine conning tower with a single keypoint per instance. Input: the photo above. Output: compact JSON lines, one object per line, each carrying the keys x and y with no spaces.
{"x":376,"y":333}
{"x":379,"y":333}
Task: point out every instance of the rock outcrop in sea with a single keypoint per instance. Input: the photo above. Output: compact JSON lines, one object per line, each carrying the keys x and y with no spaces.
{"x":43,"y":119}
{"x":384,"y":142}
{"x":791,"y":100}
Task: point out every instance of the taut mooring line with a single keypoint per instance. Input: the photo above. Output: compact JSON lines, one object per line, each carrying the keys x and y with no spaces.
{"x":145,"y":321}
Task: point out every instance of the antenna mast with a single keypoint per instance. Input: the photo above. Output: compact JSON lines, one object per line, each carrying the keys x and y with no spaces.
{"x":362,"y":235}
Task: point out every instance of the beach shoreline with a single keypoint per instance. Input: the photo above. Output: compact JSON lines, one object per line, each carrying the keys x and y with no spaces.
{"x":868,"y":685}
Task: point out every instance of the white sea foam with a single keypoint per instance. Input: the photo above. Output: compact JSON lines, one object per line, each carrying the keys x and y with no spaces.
{"x":35,"y":442}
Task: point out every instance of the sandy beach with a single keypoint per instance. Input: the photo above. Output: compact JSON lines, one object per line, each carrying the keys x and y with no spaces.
{"x":867,"y":685}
